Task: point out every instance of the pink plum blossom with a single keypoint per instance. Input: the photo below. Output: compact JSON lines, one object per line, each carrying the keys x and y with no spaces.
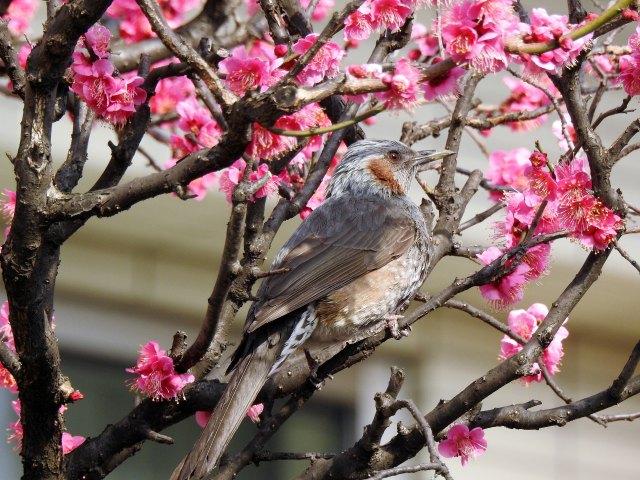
{"x":324,"y":64}
{"x":97,"y":38}
{"x":376,"y":15}
{"x":507,"y":289}
{"x":389,"y":14}
{"x":197,"y":121}
{"x":403,"y":87}
{"x":266,"y":144}
{"x":310,"y":116}
{"x":252,"y":6}
{"x":8,"y":204}
{"x":157,"y":376}
{"x":170,"y":92}
{"x":71,"y":442}
{"x":444,"y":84}
{"x":20,"y":13}
{"x":254,"y":412}
{"x":321,"y":10}
{"x":464,"y":443}
{"x":368,"y":70}
{"x":246,"y":71}
{"x":358,"y":25}
{"x":474,"y":31}
{"x":232,"y":176}
{"x":113,"y":98}
{"x":574,"y":200}
{"x":16,"y":427}
{"x":201,"y":132}
{"x":23,"y":54}
{"x":603,"y":63}
{"x":202,"y":417}
{"x":317,"y":198}
{"x":200,"y":186}
{"x":124,"y":96}
{"x":544,"y":28}
{"x":6,"y":335}
{"x":426,"y":41}
{"x":525,"y":97}
{"x":570,"y":207}
{"x":7,"y":381}
{"x":629,"y":75}
{"x":507,"y":168}
{"x":133,"y":24}
{"x":525,"y":323}
{"x":556,"y":129}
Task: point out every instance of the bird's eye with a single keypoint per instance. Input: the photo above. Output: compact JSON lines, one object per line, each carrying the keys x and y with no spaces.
{"x":393,"y":155}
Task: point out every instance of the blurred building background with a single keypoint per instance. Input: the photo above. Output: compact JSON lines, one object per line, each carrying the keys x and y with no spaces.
{"x":147,"y":272}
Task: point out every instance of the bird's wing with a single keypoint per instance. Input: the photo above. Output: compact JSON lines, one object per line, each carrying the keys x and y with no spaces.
{"x":343,"y":239}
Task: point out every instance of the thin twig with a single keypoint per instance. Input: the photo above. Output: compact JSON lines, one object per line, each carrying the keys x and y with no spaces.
{"x":622,"y":108}
{"x":158,"y":437}
{"x":482,"y":216}
{"x":553,"y":385}
{"x":152,"y":162}
{"x":486,"y":184}
{"x":472,"y":133}
{"x":392,"y":472}
{"x":9,"y":360}
{"x":486,"y":318}
{"x":623,"y":417}
{"x":10,"y":59}
{"x":436,"y":462}
{"x":626,"y":255}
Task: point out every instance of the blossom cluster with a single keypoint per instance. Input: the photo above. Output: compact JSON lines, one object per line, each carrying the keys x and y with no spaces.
{"x":474,"y":32}
{"x":630,"y":65}
{"x":134,"y":26}
{"x":19,"y":14}
{"x":543,"y":28}
{"x":157,"y":376}
{"x":525,"y":323}
{"x":254,"y":66}
{"x":112,"y":97}
{"x":377,"y":15}
{"x":564,"y":194}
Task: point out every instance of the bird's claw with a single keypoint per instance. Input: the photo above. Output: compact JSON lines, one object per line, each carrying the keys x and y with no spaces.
{"x":392,"y":325}
{"x":315,"y":380}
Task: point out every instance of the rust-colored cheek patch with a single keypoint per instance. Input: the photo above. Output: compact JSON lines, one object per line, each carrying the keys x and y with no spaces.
{"x":382,"y":172}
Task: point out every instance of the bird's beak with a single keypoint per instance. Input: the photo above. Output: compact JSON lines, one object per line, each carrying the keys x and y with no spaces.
{"x":426,"y":156}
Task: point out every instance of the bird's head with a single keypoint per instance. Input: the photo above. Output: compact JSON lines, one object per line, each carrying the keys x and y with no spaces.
{"x":379,"y":167}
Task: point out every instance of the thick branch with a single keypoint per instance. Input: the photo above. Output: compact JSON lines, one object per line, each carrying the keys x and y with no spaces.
{"x":517,"y":417}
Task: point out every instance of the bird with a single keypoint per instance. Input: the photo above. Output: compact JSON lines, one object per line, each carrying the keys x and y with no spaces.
{"x":354,"y":260}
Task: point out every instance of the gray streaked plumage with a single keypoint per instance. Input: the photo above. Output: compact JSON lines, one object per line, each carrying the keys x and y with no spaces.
{"x":354,"y":260}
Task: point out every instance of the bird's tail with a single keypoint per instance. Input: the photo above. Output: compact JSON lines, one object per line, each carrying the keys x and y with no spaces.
{"x":248,"y":378}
